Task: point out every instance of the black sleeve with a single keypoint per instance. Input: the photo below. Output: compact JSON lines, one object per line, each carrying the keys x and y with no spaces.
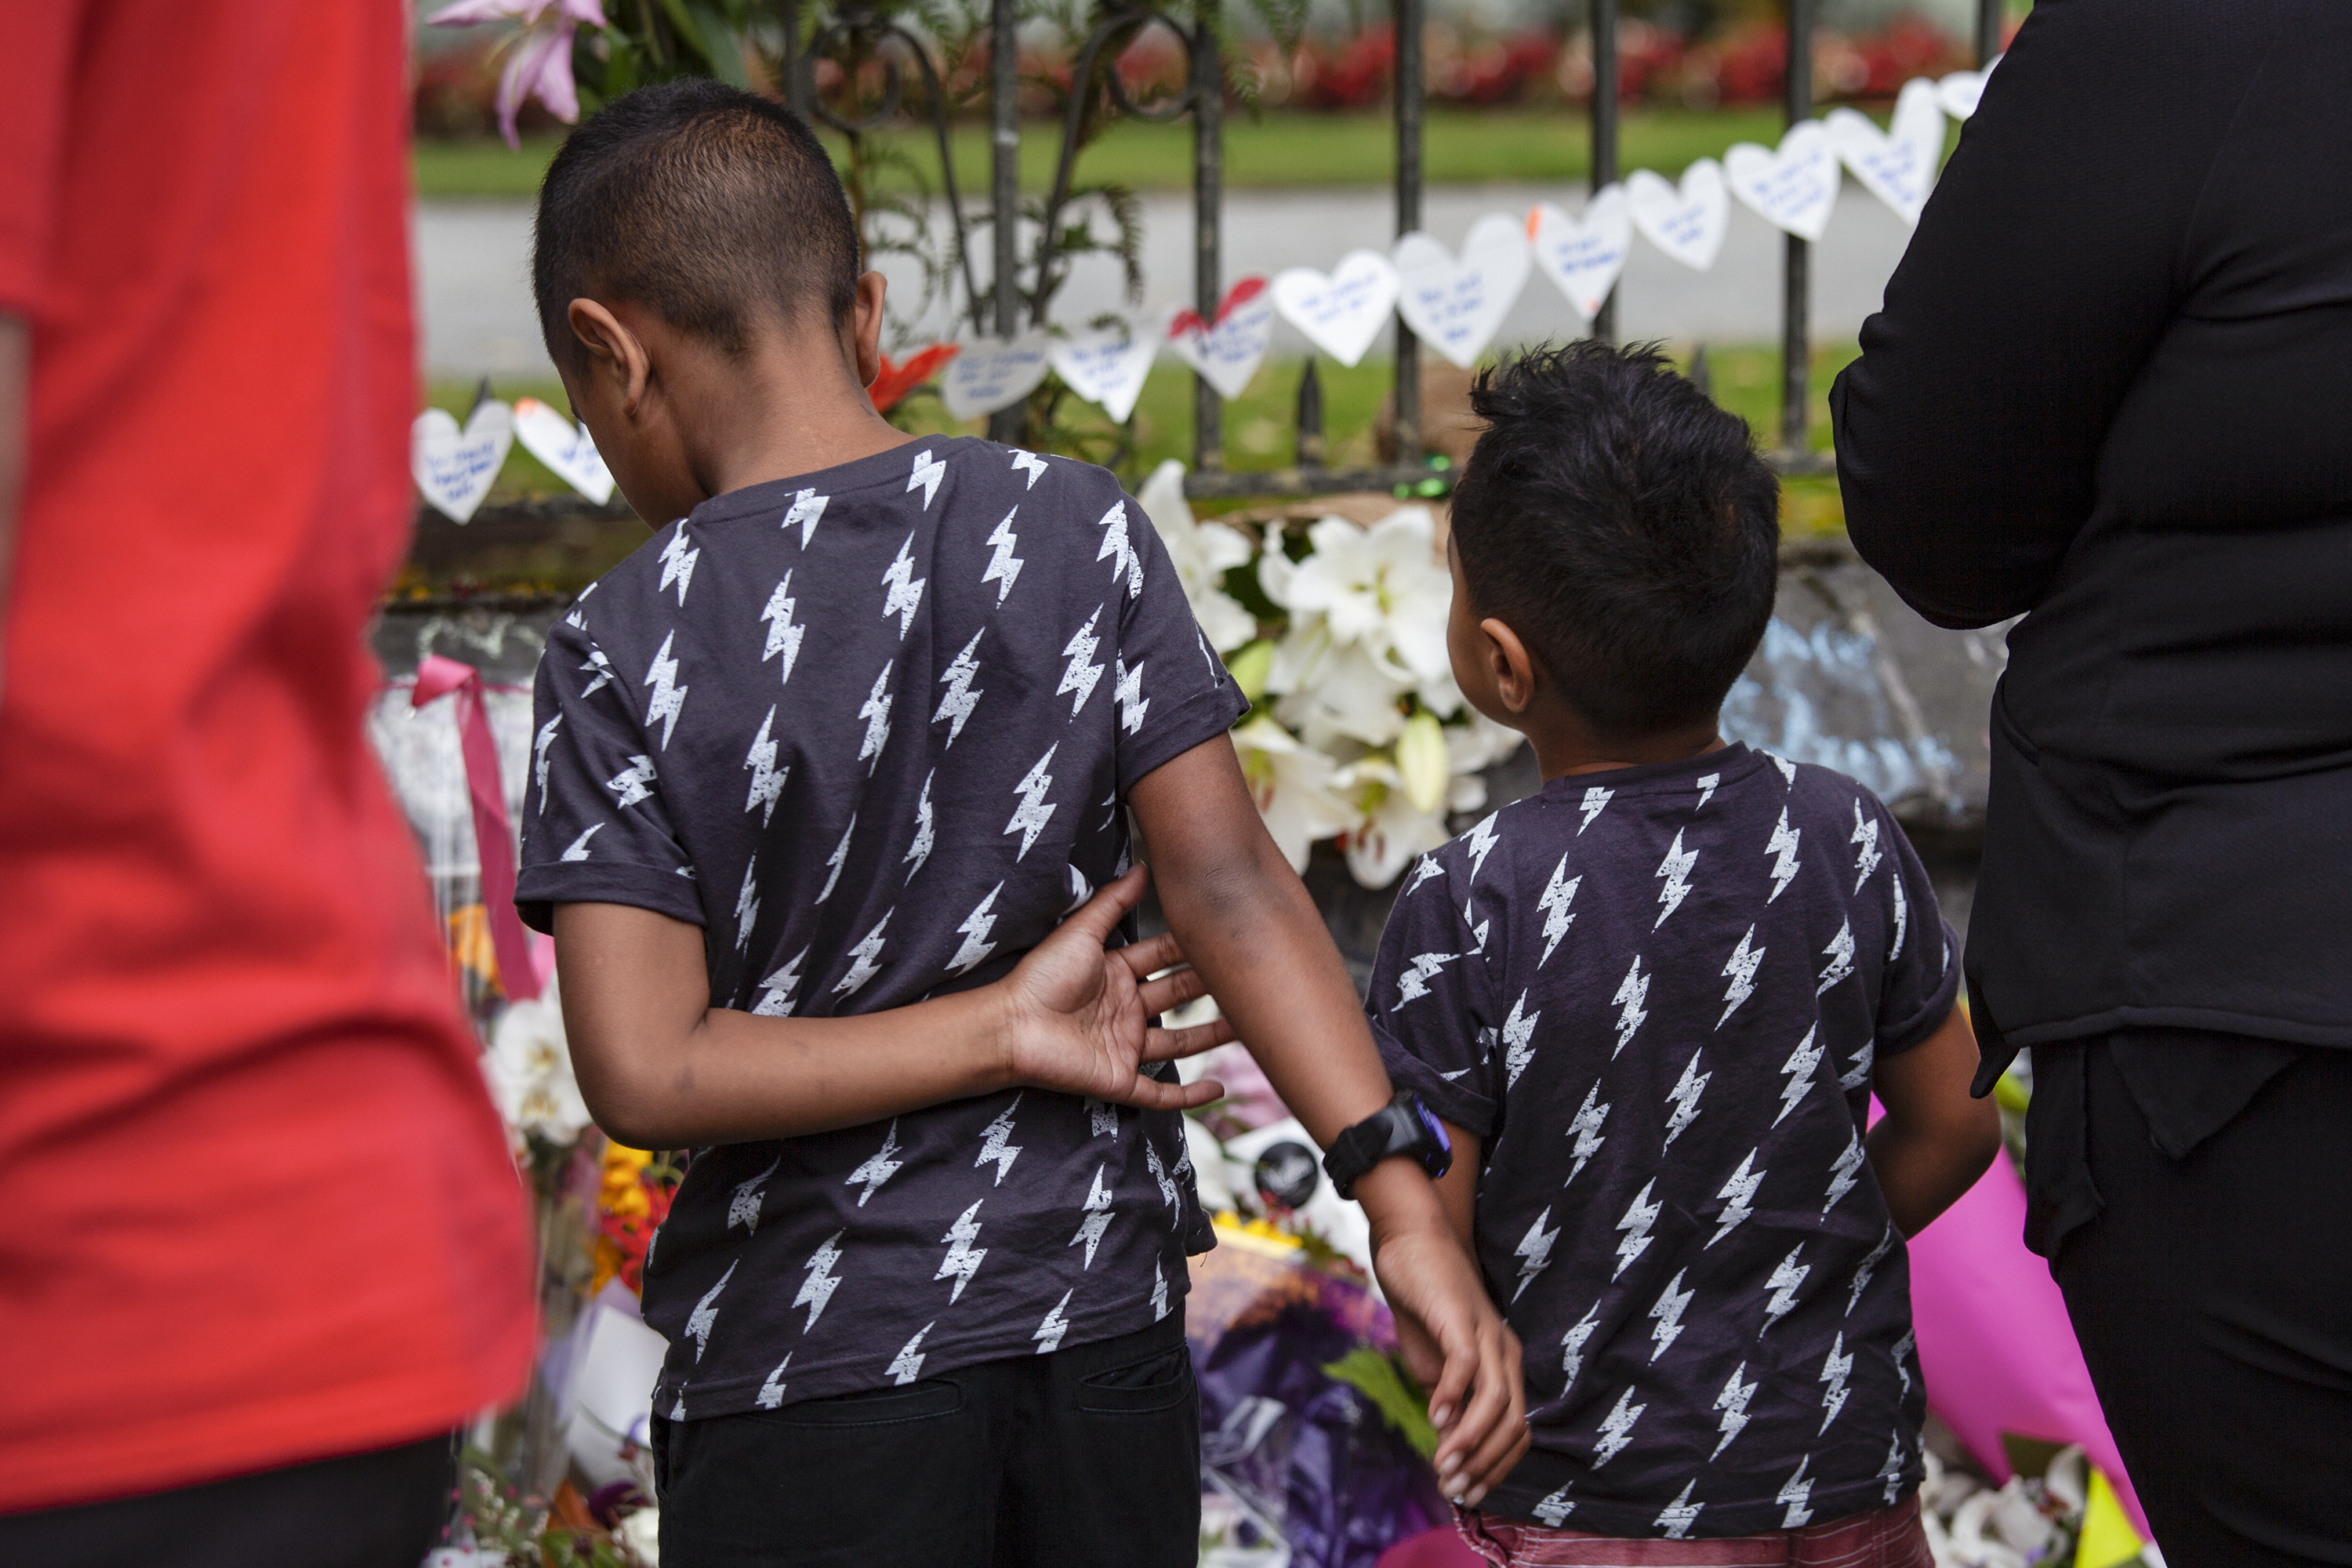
{"x":2046,"y":267}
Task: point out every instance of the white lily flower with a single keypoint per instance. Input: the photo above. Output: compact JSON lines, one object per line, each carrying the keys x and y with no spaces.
{"x":1367,"y":608}
{"x":1480,"y":743}
{"x":1388,"y":832}
{"x":1201,"y":552}
{"x":1292,"y":786}
{"x":528,"y":1066}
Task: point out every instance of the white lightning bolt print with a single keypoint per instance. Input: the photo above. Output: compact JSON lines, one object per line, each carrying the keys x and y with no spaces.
{"x":577,"y":620}
{"x":1795,"y":1492}
{"x":820,"y":1283}
{"x":1034,"y":464}
{"x":1866,"y":856}
{"x":784,"y":636}
{"x":1003,"y":567}
{"x":1891,"y":1469}
{"x":1788,"y":769}
{"x":1129,"y":692}
{"x":1572,"y":1344}
{"x":1858,"y":1076}
{"x":1160,"y":1179}
{"x":1421,"y":872}
{"x":1783,"y":843}
{"x":875,"y":711}
{"x":670,"y":698}
{"x":1596,"y":800}
{"x":960,"y":699}
{"x":747,"y":904}
{"x":603,"y":667}
{"x":1216,"y":666}
{"x":1029,"y":817}
{"x":908,"y":1365}
{"x":920,"y":848}
{"x":1868,"y":1267}
{"x":1834,"y":1372}
{"x":806,"y":508}
{"x":997,"y":1143}
{"x":1477,"y":843}
{"x":1633,"y":993}
{"x":976,"y":947}
{"x":771,"y":1392}
{"x":1554,"y":1510}
{"x":1082,"y":673}
{"x":578,"y":848}
{"x":1733,"y":1403}
{"x":538,"y":745}
{"x":1477,"y":934}
{"x":1902,"y":922}
{"x":1102,"y":1117}
{"x":1586,"y":1131}
{"x":1125,"y":560}
{"x":1557,"y":894}
{"x":928,"y":474}
{"x":962,"y":1260}
{"x":906,"y":595}
{"x":1097,"y":1220}
{"x":1799,"y":1066}
{"x":1518,"y":1041}
{"x":1741,"y":967}
{"x":1739,"y":1195}
{"x":864,"y":959}
{"x":1050,"y":1331}
{"x":743,"y":1204}
{"x":678,"y":562}
{"x":1159,"y":1292}
{"x":1668,"y":1315}
{"x":1678,"y":1517}
{"x":1787,"y":1275}
{"x":1640,"y":1216}
{"x":1844,"y":1172}
{"x":1840,"y":953}
{"x":1684,"y":1098}
{"x":1415,"y":982}
{"x":1617,"y":1428}
{"x":780,"y":989}
{"x":878,"y":1168}
{"x":705,"y":1316}
{"x":1904,"y":1349}
{"x":1534,"y":1252}
{"x":1706,"y":783}
{"x":629,"y":785}
{"x":1675,"y":868}
{"x":837,"y":859}
{"x":766,"y":779}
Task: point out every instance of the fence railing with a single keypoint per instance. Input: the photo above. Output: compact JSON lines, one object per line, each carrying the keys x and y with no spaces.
{"x":997,"y":310}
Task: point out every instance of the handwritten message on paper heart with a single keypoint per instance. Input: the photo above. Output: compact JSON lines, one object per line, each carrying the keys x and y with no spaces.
{"x":1688,"y":222}
{"x":1107,"y":366}
{"x":1793,"y":186}
{"x":1228,"y":350}
{"x":1343,"y":311}
{"x":1898,"y":165}
{"x":1959,"y":92}
{"x":992,"y":374}
{"x":1583,"y":256}
{"x":1457,"y":305}
{"x":567,"y":450}
{"x":455,"y":469}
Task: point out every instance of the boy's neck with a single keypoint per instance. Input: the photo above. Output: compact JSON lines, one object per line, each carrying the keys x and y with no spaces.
{"x":788,"y":408}
{"x":1566,"y":746}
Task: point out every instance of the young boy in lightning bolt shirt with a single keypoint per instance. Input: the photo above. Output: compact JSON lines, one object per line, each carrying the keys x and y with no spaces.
{"x":1653,"y":1003}
{"x":829,"y":817}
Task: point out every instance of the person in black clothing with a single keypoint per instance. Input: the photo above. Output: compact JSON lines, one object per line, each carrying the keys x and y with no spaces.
{"x":2109,"y":393}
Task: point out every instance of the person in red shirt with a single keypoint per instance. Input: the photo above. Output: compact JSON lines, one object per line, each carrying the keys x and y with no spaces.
{"x":262,"y":1245}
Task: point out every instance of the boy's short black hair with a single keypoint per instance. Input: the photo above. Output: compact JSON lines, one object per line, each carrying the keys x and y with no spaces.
{"x":1624,"y":527}
{"x":700,"y":201}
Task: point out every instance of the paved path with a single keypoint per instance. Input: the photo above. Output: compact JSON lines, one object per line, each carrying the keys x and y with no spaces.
{"x":474,"y":262}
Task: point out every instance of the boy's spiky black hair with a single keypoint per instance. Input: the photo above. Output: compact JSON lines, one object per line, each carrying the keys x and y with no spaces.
{"x":705,"y":203}
{"x":1624,"y":527}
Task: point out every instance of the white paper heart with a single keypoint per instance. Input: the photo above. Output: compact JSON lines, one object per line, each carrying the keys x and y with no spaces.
{"x":1792,"y":187}
{"x":1583,"y":256}
{"x":1107,"y":366}
{"x":455,"y":469}
{"x":1343,"y":311}
{"x":1898,"y":165}
{"x":1958,"y":93}
{"x":1687,"y":223}
{"x":1457,"y":305}
{"x":991,"y":373}
{"x":1229,"y":352}
{"x":567,"y":450}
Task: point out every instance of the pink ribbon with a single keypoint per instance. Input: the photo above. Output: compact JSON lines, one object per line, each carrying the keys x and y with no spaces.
{"x":436,"y":678}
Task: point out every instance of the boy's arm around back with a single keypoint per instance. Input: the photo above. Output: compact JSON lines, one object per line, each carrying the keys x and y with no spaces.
{"x":1934,"y":1141}
{"x":1249,"y":927}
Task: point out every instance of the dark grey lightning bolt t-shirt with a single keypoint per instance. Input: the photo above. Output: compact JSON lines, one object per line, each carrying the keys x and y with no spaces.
{"x":1657,"y":996}
{"x":872,"y":730}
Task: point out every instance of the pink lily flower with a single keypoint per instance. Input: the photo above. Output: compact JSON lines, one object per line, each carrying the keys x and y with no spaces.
{"x":539,"y":59}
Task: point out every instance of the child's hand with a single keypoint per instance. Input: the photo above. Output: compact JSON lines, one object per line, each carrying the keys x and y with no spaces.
{"x":1078,"y":1018}
{"x":1458,"y":1346}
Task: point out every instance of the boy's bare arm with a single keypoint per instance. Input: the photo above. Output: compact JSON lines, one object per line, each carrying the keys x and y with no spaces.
{"x":1458,"y":1188}
{"x":1934,"y":1141}
{"x":662,"y":1069}
{"x":1249,"y":927}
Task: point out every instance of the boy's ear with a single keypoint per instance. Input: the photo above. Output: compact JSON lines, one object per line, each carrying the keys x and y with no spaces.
{"x":618,"y":355}
{"x":863,"y":339}
{"x":1509,"y":665}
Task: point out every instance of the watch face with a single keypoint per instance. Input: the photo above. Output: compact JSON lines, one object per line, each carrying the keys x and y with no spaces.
{"x":1437,"y":1128}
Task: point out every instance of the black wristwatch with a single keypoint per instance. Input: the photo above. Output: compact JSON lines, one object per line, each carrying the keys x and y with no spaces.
{"x":1403,"y":1126}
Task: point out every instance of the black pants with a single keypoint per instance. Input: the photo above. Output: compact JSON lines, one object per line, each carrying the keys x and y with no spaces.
{"x":382,"y":1510}
{"x":2212,"y":1294}
{"x":1088,"y":1458}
